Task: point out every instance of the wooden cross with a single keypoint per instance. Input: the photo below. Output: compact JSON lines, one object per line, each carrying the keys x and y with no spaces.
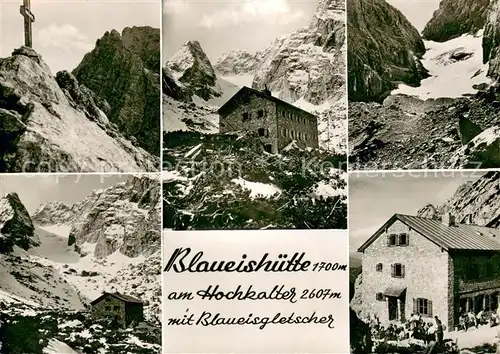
{"x":29,"y":18}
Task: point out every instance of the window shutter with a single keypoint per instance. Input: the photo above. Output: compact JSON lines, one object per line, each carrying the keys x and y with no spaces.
{"x":392,"y":270}
{"x":415,"y":305}
{"x":402,"y":271}
{"x":429,"y":307}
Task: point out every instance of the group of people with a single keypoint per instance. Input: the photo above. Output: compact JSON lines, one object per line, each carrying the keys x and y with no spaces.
{"x":415,"y":327}
{"x":429,"y":333}
{"x":470,"y":319}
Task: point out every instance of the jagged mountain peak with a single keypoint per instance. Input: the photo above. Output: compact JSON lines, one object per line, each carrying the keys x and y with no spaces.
{"x":124,"y":70}
{"x":491,"y":39}
{"x":193,"y":72}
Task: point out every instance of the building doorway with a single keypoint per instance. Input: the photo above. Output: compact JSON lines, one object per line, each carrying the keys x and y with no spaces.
{"x":392,"y":304}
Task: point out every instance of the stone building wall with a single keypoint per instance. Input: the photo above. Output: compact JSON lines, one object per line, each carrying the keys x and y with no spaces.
{"x":252,"y":104}
{"x":426,"y":273}
{"x":295,"y":124}
{"x":109,"y":307}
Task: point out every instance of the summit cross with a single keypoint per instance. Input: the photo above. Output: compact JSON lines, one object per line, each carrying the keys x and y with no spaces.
{"x":29,"y":18}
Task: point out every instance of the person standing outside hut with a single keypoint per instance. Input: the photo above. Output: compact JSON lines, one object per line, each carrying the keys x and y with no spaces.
{"x":439,"y":333}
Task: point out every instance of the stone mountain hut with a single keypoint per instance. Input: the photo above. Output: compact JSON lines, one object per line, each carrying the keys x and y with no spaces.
{"x":434,"y":267}
{"x":275,"y":122}
{"x":123,"y":309}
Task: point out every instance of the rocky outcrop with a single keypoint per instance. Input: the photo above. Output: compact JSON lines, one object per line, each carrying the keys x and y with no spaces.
{"x":53,"y":213}
{"x":405,"y":132}
{"x":455,"y":18}
{"x":46,"y":128}
{"x":238,"y":62}
{"x":491,"y":39}
{"x":171,"y":89}
{"x":16,"y":228}
{"x":384,"y":49}
{"x":124,"y":70}
{"x":477,"y":202}
{"x":309,"y":63}
{"x":124,"y":217}
{"x":192,"y":70}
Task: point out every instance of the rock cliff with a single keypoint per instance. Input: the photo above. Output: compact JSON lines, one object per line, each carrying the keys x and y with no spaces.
{"x":192,"y":70}
{"x":309,"y":63}
{"x":491,"y":39}
{"x":124,"y":69}
{"x":45,"y":127}
{"x":383,"y":49}
{"x":477,"y":202}
{"x":16,"y":228}
{"x":455,"y":18}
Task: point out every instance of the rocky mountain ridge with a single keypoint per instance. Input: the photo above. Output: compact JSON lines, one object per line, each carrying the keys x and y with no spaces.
{"x":476,"y":202}
{"x":381,"y":53}
{"x":122,"y":217}
{"x":238,"y":62}
{"x":124,"y":69}
{"x":455,"y":18}
{"x":54,"y":124}
{"x":16,"y":227}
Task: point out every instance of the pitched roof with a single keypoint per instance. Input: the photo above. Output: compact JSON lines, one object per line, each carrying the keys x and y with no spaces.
{"x":122,"y":297}
{"x":263,"y":95}
{"x":457,"y":237}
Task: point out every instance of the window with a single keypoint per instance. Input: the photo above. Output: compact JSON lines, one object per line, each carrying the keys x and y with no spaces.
{"x":263,"y":132}
{"x":403,"y":239}
{"x":398,"y":270}
{"x":379,"y":297}
{"x":260,"y":113}
{"x":246,"y":116}
{"x":422,"y":306}
{"x":283,"y":114}
{"x":398,"y":239}
{"x":268,"y":148}
{"x":116,"y":307}
{"x":283,"y":132}
{"x":379,"y":267}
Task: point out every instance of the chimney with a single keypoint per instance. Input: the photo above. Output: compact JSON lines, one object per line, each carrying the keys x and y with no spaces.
{"x":448,"y":219}
{"x":267,"y":91}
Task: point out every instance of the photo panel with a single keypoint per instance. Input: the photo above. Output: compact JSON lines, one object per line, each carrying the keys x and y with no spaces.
{"x":254,"y":115}
{"x":241,"y":291}
{"x":423,"y":84}
{"x":80,"y":86}
{"x":80,"y":264}
{"x":424,"y":251}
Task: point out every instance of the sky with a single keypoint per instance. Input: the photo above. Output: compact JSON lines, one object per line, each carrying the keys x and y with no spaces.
{"x":225,"y":25}
{"x":35,"y":190}
{"x":418,"y":12}
{"x":375,"y":197}
{"x":65,"y":30}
